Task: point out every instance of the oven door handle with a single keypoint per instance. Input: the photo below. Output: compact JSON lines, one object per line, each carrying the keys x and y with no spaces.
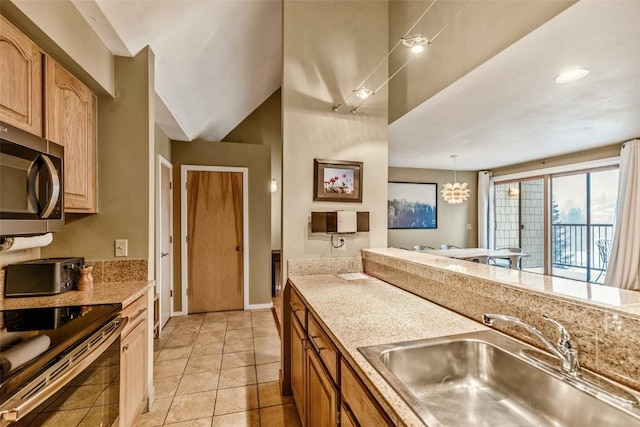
{"x":63,"y":371}
{"x":54,"y":181}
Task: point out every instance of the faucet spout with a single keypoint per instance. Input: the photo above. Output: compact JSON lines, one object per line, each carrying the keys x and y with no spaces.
{"x":566,"y":351}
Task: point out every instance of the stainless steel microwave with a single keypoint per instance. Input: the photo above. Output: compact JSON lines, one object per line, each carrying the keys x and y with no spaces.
{"x":31,"y":183}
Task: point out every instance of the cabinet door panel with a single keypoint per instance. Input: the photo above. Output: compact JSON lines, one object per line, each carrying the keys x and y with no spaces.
{"x":346,"y":417}
{"x":363,"y":408}
{"x":20,"y":79}
{"x":133,"y":374}
{"x":323,"y":396}
{"x":71,"y":123}
{"x":298,"y":366}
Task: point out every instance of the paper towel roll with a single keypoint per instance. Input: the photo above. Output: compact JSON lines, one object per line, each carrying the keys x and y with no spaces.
{"x":17,"y":243}
{"x":22,"y":353}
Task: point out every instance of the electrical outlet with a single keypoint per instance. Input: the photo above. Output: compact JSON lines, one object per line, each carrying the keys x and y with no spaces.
{"x":342,"y":244}
{"x":121,"y":247}
{"x":468,"y":226}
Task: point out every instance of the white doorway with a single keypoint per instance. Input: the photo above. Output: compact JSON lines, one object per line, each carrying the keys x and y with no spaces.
{"x":198,"y":238}
{"x":164,"y":237}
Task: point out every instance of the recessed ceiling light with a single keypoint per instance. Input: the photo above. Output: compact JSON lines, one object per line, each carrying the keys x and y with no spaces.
{"x":571,"y":76}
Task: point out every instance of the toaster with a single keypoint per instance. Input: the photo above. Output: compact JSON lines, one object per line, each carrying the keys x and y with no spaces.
{"x":46,"y":276}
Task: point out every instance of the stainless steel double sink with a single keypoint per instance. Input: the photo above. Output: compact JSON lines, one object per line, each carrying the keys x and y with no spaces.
{"x":488,"y":379}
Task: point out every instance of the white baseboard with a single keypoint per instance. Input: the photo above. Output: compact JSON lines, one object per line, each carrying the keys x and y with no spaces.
{"x":259,"y":306}
{"x":249,"y":307}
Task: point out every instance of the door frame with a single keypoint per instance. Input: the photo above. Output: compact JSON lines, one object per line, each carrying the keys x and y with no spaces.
{"x":164,"y":162}
{"x":183,"y":228}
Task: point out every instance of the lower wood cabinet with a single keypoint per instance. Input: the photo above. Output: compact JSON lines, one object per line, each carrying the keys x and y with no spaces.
{"x":361,"y":407}
{"x":346,"y":417}
{"x":325,"y":388}
{"x":298,"y":366}
{"x":133,"y":362}
{"x":323,"y":394}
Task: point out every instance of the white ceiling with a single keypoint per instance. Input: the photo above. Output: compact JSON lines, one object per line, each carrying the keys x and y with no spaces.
{"x":218,"y":60}
{"x":510,"y":110}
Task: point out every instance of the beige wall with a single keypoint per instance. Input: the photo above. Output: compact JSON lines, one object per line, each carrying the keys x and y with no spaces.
{"x":264,"y":126}
{"x":125,"y":144}
{"x":328,"y":48}
{"x":63,"y":33}
{"x":256,"y":157}
{"x":567,"y":159}
{"x":162,"y":144}
{"x":457,"y":50}
{"x":452,"y":219}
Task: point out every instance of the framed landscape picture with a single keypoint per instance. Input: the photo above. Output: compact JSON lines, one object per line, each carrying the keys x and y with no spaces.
{"x":337,"y":181}
{"x":412,"y":205}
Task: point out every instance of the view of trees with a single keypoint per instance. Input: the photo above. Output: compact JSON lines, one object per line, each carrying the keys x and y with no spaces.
{"x":405,"y":214}
{"x":561,"y":249}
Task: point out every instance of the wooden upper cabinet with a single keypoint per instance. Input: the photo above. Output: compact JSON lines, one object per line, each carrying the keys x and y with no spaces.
{"x":71,"y":122}
{"x":20,"y":79}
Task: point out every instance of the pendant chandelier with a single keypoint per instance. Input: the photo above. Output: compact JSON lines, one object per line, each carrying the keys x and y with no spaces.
{"x":455,"y":193}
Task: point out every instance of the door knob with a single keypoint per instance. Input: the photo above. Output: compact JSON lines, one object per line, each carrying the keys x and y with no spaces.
{"x":238,"y":248}
{"x":163,"y":254}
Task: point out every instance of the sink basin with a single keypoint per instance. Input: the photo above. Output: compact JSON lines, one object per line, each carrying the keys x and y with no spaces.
{"x":486,"y":379}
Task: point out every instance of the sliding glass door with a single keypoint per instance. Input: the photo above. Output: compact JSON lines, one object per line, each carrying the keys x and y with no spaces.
{"x":582,"y":214}
{"x":562,"y":223}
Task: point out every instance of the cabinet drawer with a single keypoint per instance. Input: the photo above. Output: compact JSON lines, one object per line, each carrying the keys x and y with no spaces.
{"x":361,"y":404}
{"x":320,"y":343}
{"x":299,"y":309}
{"x":136,"y":312}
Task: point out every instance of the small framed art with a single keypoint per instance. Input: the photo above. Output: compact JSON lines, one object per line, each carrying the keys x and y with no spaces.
{"x":337,"y":181}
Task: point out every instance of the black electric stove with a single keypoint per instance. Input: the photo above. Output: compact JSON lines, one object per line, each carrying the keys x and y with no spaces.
{"x":57,"y":331}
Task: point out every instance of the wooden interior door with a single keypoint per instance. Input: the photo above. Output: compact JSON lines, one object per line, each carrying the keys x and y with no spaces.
{"x":214,"y":241}
{"x":166,"y":251}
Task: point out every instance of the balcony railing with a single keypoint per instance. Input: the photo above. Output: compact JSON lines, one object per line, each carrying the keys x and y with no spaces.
{"x":574,"y":246}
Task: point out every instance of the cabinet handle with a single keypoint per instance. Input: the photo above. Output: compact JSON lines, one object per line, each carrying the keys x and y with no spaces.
{"x":314,"y":345}
{"x":140,"y":313}
{"x":125,"y":348}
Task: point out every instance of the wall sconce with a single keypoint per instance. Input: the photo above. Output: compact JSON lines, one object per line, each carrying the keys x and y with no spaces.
{"x":274,"y":185}
{"x":513,"y":192}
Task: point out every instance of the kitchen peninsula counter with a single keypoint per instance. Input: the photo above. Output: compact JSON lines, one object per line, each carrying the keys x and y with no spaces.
{"x":365,"y":312}
{"x":102,"y":293}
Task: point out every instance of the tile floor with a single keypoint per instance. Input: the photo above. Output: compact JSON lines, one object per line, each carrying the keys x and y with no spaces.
{"x":219,"y":369}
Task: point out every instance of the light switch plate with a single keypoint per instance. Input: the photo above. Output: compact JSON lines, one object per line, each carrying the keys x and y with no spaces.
{"x":121,"y":247}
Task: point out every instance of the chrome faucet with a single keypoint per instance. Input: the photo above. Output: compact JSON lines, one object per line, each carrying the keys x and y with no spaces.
{"x":566,"y":350}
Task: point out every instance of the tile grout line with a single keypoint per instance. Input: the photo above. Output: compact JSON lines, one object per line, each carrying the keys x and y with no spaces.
{"x":220,"y":370}
{"x":217,"y":389}
{"x":256,"y":370}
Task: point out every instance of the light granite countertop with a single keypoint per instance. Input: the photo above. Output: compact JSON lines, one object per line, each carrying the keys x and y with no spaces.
{"x":102,"y":293}
{"x":594,"y":294}
{"x":365,"y":312}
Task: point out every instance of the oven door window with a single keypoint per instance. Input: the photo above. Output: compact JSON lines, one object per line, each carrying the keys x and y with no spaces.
{"x":90,"y":399}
